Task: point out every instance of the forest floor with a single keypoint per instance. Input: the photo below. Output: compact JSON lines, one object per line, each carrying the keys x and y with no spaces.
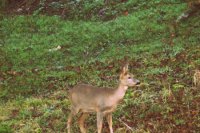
{"x":48,"y":47}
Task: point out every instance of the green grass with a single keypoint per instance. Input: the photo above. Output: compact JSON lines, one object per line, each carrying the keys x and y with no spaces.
{"x":34,"y":80}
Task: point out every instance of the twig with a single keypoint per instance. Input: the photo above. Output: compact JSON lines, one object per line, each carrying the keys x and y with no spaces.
{"x":130,"y":128}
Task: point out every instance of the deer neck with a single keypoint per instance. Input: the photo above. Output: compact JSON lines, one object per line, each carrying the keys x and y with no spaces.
{"x":119,"y":93}
{"x":121,"y":90}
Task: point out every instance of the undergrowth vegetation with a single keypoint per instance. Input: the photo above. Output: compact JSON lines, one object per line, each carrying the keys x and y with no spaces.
{"x":41,"y":57}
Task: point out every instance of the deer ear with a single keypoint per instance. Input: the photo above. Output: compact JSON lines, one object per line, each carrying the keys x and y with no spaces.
{"x":125,"y":69}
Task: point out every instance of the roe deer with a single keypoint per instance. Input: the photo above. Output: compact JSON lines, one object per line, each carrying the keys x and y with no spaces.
{"x":86,"y":99}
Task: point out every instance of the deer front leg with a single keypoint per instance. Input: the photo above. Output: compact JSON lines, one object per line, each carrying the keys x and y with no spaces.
{"x":109,"y":120}
{"x":73,"y":112}
{"x":99,"y":121}
{"x":69,"y":122}
{"x":81,"y":122}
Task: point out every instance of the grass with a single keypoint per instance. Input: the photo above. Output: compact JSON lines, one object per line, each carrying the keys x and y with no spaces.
{"x":34,"y":79}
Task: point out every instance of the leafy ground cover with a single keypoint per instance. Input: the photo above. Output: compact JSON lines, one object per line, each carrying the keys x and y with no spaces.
{"x":42,"y":56}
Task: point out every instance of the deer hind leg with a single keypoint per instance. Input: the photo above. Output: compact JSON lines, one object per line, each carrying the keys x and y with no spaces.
{"x":69,"y":121}
{"x":109,"y":120}
{"x":81,"y":122}
{"x":99,"y":121}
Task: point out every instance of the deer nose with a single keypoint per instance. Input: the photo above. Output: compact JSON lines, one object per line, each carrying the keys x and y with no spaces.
{"x":137,"y":82}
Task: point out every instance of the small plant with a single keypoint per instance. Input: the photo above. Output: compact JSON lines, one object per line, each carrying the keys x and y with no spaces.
{"x":196,"y":78}
{"x":5,"y":128}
